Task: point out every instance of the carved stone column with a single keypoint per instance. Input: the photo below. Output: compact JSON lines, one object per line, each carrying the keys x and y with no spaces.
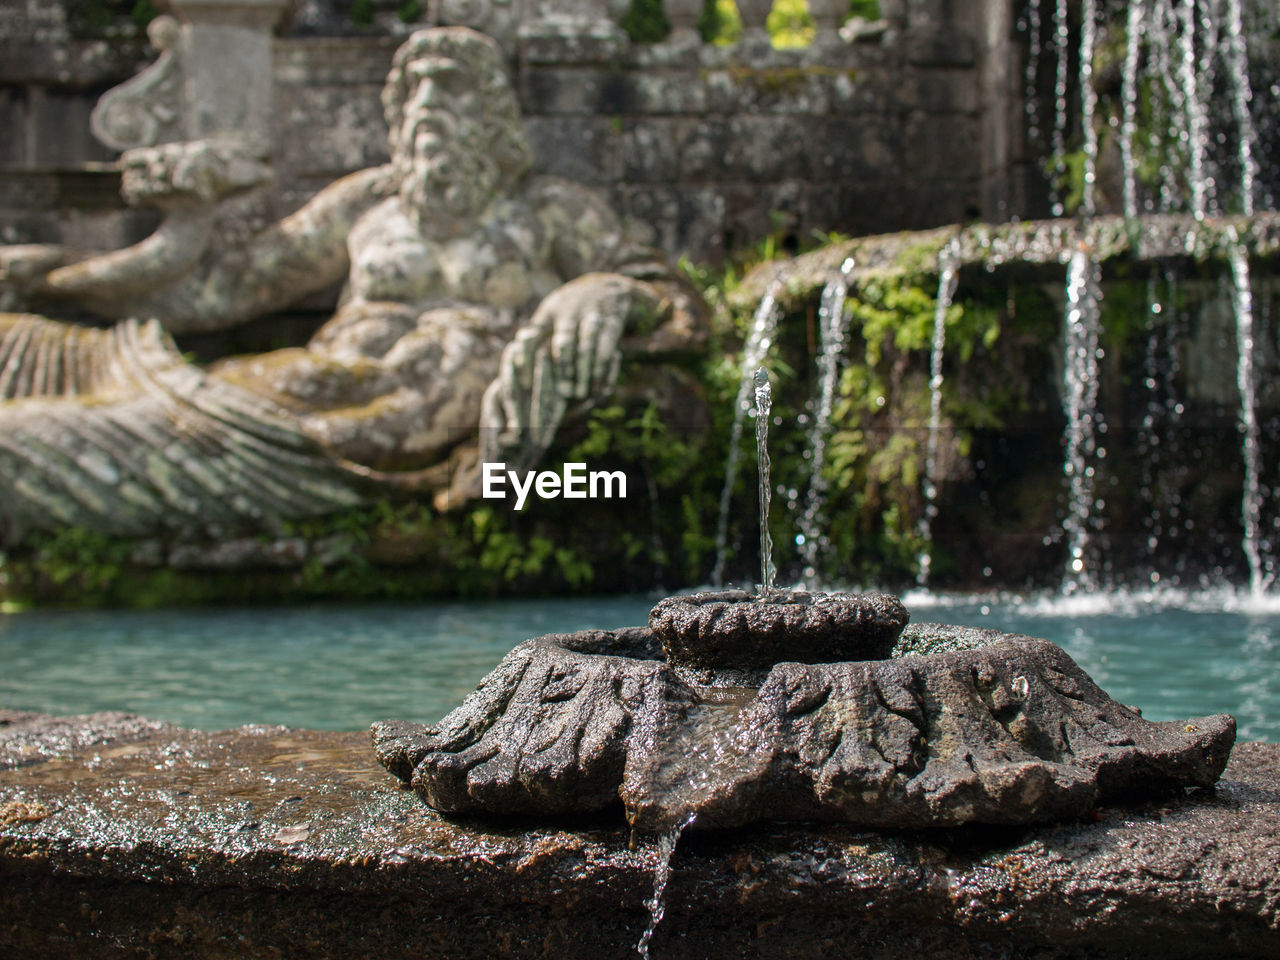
{"x":683,"y":15}
{"x":828,"y":15}
{"x":754,"y":13}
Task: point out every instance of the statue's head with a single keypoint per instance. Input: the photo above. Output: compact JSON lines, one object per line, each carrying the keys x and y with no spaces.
{"x":455,"y":132}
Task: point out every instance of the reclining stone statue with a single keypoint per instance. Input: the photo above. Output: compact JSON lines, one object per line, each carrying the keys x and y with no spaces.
{"x":480,"y":306}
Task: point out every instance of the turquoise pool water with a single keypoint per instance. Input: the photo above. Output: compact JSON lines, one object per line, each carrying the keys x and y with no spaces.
{"x":341,"y":667}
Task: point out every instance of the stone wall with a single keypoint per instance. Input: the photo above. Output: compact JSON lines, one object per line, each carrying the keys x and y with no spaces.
{"x":912,"y":123}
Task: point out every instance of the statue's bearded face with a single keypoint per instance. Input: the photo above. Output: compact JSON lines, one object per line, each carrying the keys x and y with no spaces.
{"x":444,"y":150}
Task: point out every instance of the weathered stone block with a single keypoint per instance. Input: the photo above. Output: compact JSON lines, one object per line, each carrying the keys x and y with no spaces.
{"x":550,"y":45}
{"x":794,"y":90}
{"x":703,"y":150}
{"x":845,"y":148}
{"x":330,"y":129}
{"x":935,"y":203}
{"x":766,"y":149}
{"x":585,"y":149}
{"x":939,"y":48}
{"x":685,"y":219}
{"x":555,"y":91}
{"x":58,"y":129}
{"x":655,"y":93}
{"x":936,"y":90}
{"x":942,"y":147}
{"x":345,"y":61}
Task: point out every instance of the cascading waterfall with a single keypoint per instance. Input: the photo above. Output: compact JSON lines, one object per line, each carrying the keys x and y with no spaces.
{"x":1084,"y":423}
{"x":764,"y":324}
{"x":948,"y":275}
{"x":832,"y":332}
{"x":1251,"y":502}
{"x":1184,"y":88}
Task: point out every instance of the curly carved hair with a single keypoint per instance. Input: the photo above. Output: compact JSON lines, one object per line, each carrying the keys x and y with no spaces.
{"x":485,"y":63}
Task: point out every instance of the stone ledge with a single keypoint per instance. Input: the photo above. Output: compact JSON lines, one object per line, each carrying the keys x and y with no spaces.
{"x":124,"y":837}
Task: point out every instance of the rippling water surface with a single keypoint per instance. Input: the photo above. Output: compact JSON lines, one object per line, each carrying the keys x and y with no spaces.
{"x":341,"y":667}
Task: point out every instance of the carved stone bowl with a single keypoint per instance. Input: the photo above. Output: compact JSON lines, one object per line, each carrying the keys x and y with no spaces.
{"x":956,"y":726}
{"x":732,"y":629}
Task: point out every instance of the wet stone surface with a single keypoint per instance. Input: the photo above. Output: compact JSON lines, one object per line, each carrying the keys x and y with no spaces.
{"x":264,"y":842}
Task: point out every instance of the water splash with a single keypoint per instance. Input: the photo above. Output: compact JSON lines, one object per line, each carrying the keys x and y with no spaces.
{"x":1251,"y":501}
{"x":661,"y":877}
{"x":1084,"y":423}
{"x":763,"y":326}
{"x":948,"y":275}
{"x":764,"y":406}
{"x":832,"y":332}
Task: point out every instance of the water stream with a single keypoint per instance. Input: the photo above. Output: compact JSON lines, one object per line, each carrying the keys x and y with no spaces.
{"x":832,"y":334}
{"x":1058,"y":142}
{"x":1084,"y":422}
{"x":1129,"y":99}
{"x":1197,"y":124}
{"x":661,"y":877}
{"x":1088,"y":105}
{"x":764,"y":324}
{"x":1251,"y":501}
{"x":764,"y":407}
{"x":948,"y":275}
{"x":1237,"y":59}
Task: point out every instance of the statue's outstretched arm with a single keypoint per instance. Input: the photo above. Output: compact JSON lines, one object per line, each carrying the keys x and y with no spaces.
{"x":302,"y":254}
{"x":192,"y":285}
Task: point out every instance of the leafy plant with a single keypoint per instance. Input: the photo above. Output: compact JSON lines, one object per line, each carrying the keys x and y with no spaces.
{"x":720,"y":23}
{"x":645,"y":22}
{"x":410,"y":11}
{"x":362,"y":13}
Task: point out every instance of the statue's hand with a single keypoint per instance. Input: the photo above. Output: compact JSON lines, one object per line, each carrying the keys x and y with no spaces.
{"x":23,"y":269}
{"x":197,"y":172}
{"x":570,"y":350}
{"x":587,"y":318}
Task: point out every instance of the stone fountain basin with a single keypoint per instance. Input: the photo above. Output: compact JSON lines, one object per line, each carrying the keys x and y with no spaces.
{"x":957,"y":726}
{"x":125,"y":837}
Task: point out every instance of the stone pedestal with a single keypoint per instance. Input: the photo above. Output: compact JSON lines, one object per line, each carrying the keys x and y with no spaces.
{"x":212,"y":81}
{"x":226,"y":53}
